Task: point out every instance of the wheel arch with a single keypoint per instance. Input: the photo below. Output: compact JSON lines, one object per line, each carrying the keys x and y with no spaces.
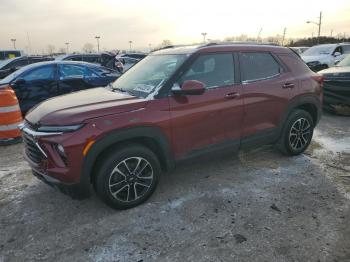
{"x":150,"y":137}
{"x":310,"y":104}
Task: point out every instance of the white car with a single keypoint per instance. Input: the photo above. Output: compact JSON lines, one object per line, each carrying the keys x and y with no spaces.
{"x":320,"y":57}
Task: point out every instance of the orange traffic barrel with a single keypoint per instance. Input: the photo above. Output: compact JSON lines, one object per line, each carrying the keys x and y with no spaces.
{"x":10,"y":117}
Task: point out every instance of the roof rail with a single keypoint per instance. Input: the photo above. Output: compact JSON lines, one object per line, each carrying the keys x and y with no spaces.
{"x":239,"y":43}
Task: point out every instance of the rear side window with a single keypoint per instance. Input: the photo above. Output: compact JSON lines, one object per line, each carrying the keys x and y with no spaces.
{"x":346,"y":49}
{"x":214,"y":70}
{"x":41,"y":73}
{"x":72,"y":71}
{"x":258,"y":66}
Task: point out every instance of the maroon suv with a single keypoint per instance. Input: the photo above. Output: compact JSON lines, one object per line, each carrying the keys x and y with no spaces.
{"x":175,"y":104}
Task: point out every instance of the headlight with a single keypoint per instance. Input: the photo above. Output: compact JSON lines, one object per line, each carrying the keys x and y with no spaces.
{"x":62,"y":129}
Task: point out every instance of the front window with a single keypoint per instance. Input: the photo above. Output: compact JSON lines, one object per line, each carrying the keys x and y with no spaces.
{"x":345,"y":61}
{"x":319,"y":50}
{"x":149,"y":74}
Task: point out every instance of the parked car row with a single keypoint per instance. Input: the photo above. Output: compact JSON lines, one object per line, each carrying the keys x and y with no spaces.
{"x":324,"y":56}
{"x":40,"y":81}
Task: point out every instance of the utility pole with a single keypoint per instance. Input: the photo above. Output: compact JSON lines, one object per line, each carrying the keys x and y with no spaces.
{"x":130,"y":42}
{"x":284,"y":35}
{"x":332,"y":33}
{"x":203,"y":34}
{"x":67,"y":47}
{"x":257,"y":38}
{"x":98,"y":43}
{"x":14,"y":43}
{"x":150,"y":47}
{"x":319,"y":26}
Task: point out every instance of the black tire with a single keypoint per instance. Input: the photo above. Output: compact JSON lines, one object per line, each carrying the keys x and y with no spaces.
{"x":121,"y":161}
{"x":293,"y":141}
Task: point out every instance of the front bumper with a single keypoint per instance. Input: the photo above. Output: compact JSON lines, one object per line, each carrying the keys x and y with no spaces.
{"x":46,"y":163}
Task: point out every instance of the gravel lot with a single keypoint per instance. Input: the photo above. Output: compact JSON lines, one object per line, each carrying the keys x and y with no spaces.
{"x":254,"y":206}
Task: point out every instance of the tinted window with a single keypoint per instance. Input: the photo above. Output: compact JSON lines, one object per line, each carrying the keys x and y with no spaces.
{"x":17,"y":63}
{"x":91,"y":59}
{"x":74,"y":58}
{"x":70,"y":71}
{"x":42,"y":73}
{"x":256,"y":66}
{"x":213,"y":70}
{"x":346,"y":49}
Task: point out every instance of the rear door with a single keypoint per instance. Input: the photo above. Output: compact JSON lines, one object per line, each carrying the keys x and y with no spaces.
{"x":212,"y":120}
{"x":266,"y":89}
{"x":38,"y":85}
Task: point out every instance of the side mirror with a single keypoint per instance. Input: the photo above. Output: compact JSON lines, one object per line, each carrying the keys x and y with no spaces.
{"x":189,"y":87}
{"x":18,"y":82}
{"x":337,"y":54}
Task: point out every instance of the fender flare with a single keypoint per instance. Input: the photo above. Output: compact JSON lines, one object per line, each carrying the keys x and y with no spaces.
{"x":297,"y":102}
{"x":117,"y":136}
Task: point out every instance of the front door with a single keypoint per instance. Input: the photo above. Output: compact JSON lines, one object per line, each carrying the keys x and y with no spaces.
{"x":36,"y":86}
{"x":210,"y":120}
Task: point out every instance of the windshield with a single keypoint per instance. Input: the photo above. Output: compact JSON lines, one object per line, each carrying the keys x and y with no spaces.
{"x":345,"y":61}
{"x":319,"y":50}
{"x":149,"y":74}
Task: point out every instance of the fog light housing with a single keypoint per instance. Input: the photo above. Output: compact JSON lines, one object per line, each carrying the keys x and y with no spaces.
{"x":60,"y":150}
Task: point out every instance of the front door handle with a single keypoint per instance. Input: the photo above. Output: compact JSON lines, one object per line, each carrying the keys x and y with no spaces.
{"x":288,"y":85}
{"x":232,"y":95}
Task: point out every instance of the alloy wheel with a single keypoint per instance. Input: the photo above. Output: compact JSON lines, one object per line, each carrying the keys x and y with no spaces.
{"x":300,"y":134}
{"x":131,"y":179}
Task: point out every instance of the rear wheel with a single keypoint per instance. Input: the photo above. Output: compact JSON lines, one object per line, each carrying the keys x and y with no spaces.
{"x":128,"y":176}
{"x":297,"y":133}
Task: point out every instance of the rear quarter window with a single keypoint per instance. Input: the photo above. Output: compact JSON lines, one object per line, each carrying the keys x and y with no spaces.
{"x":258,"y":66}
{"x":294,"y":63}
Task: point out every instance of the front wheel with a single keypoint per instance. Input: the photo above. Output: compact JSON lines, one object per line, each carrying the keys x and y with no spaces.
{"x":297,"y":133}
{"x":128,"y":176}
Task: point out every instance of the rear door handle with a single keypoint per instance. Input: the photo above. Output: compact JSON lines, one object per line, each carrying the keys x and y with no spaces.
{"x":288,"y":85}
{"x":232,"y":95}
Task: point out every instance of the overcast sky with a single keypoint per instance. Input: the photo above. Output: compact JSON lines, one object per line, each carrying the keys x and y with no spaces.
{"x":149,"y":22}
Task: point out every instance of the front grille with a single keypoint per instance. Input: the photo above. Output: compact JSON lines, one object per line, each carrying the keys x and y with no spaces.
{"x":32,"y":150}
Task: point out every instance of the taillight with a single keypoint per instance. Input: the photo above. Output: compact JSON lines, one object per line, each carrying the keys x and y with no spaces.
{"x":319,"y":79}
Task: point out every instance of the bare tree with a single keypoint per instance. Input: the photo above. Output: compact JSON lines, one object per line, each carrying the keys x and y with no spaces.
{"x":51,"y":49}
{"x":88,"y":48}
{"x":62,"y":50}
{"x":166,"y":42}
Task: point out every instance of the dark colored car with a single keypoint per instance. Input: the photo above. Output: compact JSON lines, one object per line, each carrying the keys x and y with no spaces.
{"x":173,"y":105}
{"x":337,"y":85}
{"x":106,"y":59}
{"x":38,"y":82}
{"x":133,"y":55}
{"x":11,"y":65}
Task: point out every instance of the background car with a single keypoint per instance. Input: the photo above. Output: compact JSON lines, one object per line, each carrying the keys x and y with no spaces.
{"x":125,"y":63}
{"x":7,"y":54}
{"x":106,"y":59}
{"x":336,"y":87}
{"x":38,"y":82}
{"x":321,"y":57}
{"x":11,"y":65}
{"x":300,"y":49}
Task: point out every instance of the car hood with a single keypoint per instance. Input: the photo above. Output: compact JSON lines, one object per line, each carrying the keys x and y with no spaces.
{"x":311,"y":58}
{"x":76,"y":107}
{"x":336,"y":72}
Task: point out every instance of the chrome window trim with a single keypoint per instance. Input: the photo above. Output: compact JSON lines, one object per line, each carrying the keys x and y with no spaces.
{"x":260,"y":79}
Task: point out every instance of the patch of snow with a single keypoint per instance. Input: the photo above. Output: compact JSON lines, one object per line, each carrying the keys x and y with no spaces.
{"x":332,"y":144}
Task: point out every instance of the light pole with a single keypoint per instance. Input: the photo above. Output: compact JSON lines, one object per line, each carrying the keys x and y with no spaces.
{"x":204,"y":35}
{"x":67,"y":47}
{"x":319,"y":26}
{"x":284,"y":35}
{"x":257,"y":38}
{"x":14,"y":43}
{"x":150,"y":47}
{"x":130,"y":42}
{"x":98,"y":43}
